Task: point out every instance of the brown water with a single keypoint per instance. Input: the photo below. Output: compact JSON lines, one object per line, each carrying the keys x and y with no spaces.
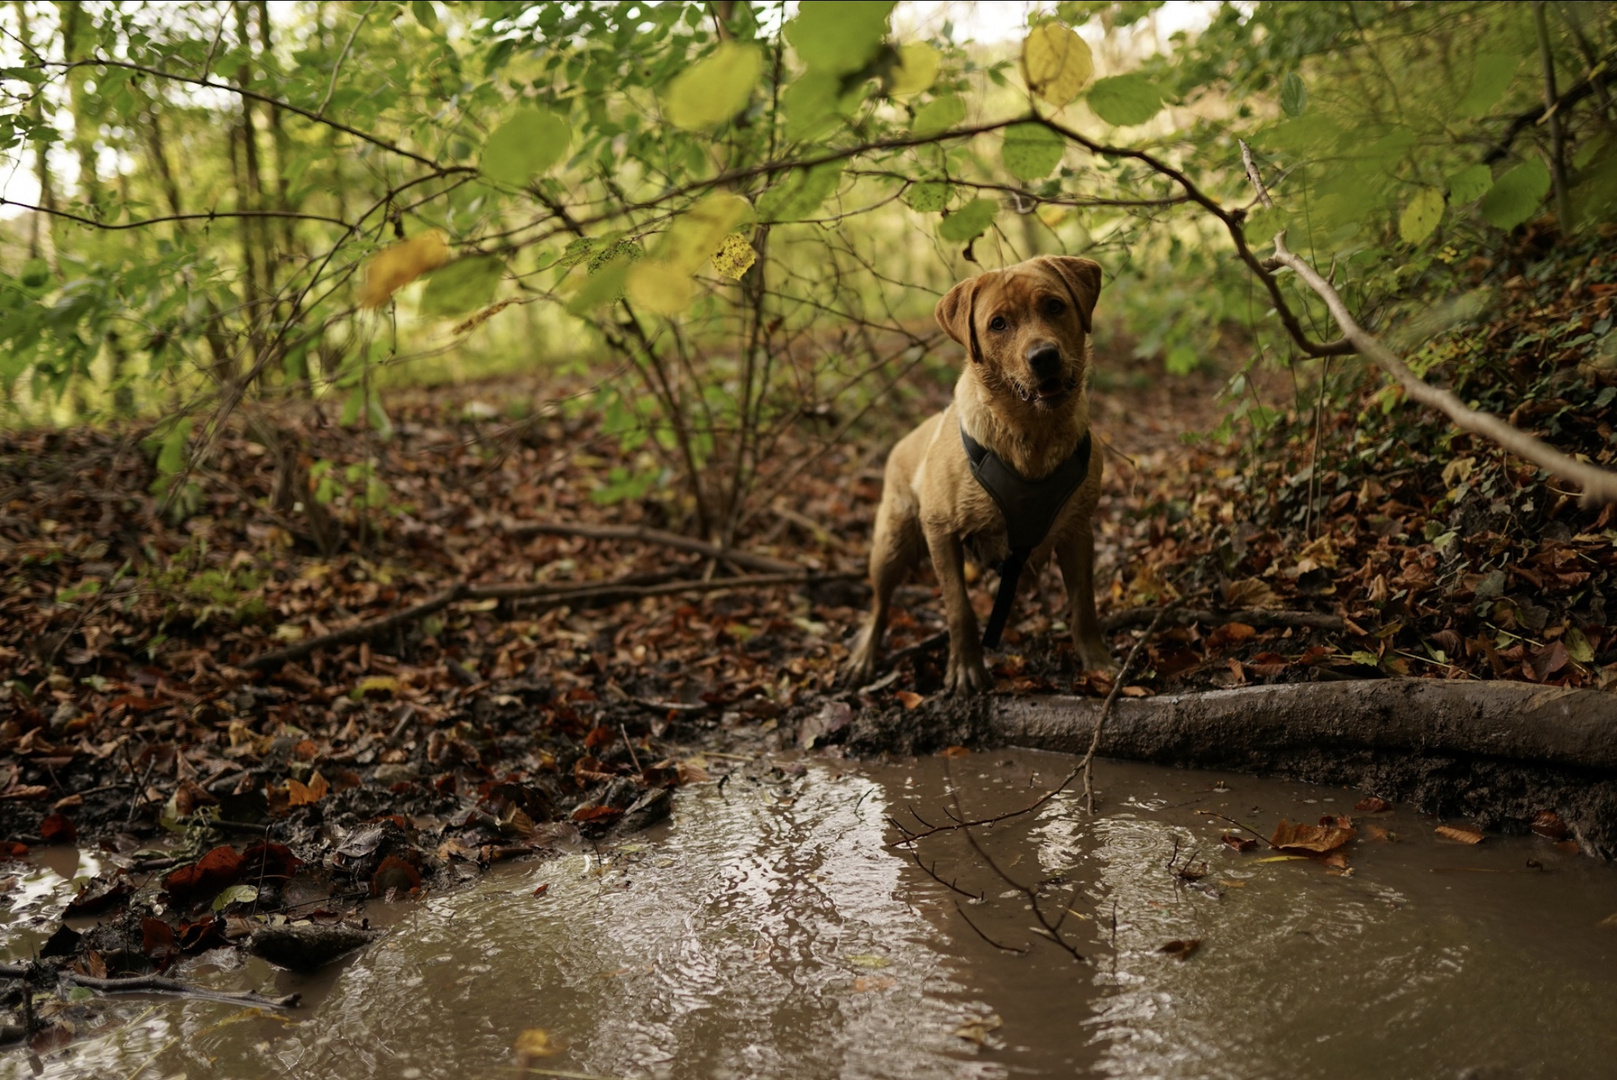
{"x":767,"y":931}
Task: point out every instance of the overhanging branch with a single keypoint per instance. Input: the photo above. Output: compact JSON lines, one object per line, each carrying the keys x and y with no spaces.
{"x":1599,"y":485}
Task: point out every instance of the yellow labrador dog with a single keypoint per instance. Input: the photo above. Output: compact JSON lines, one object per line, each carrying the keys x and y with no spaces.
{"x":1008,"y":468}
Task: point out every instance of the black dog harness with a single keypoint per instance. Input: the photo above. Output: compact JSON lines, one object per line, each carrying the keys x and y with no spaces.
{"x":1030,"y":508}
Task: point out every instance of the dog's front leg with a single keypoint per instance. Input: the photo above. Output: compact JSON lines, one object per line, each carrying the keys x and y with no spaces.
{"x":966,"y":673}
{"x":1077,"y":559}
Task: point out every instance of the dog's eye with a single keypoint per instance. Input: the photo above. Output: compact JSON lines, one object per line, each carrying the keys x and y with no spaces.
{"x":997,"y":323}
{"x":1053,"y":308}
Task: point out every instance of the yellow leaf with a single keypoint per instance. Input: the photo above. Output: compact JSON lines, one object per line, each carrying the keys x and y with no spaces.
{"x":376,"y":684}
{"x":700,"y":231}
{"x":711,"y":91}
{"x":917,"y":69}
{"x":660,"y":287}
{"x":1281,"y":858}
{"x":734,"y":257}
{"x":868,"y":960}
{"x":1056,"y":63}
{"x":392,"y":268}
{"x":536,"y":1043}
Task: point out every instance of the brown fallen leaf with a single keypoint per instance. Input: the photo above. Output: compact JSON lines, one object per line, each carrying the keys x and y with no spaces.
{"x":1373,"y":831}
{"x":910,"y":698}
{"x":1238,"y":843}
{"x":57,"y":829}
{"x":1459,"y":834}
{"x":866,"y":983}
{"x":954,"y":751}
{"x":300,"y":794}
{"x":1546,"y":823}
{"x":1297,"y":838}
{"x":1180,"y":949}
{"x":1371,"y":805}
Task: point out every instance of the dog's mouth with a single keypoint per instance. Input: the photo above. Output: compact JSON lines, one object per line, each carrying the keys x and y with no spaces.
{"x":1045,"y":394}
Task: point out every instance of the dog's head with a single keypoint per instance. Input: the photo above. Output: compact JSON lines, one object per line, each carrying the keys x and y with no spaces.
{"x":1025,"y":327}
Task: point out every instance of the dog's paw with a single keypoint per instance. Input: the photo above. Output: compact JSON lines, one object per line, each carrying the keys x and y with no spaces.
{"x":965,"y":677}
{"x":1097,"y":657}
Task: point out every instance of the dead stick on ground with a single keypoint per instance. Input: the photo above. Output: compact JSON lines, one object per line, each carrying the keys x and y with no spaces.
{"x":550,"y":595}
{"x":1599,"y":485}
{"x":646,"y":535}
{"x":156,"y":984}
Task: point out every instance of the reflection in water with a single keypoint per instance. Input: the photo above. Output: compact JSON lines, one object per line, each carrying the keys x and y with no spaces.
{"x":768,"y":932}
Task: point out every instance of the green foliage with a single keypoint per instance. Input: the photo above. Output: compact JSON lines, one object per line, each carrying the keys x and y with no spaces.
{"x":464,"y":285}
{"x":525,"y":145}
{"x":1030,"y":152}
{"x":572,"y":170}
{"x":1125,"y":100}
{"x":1516,"y":195}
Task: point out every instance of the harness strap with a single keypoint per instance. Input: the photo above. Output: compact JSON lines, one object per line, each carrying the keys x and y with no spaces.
{"x":1029,"y":507}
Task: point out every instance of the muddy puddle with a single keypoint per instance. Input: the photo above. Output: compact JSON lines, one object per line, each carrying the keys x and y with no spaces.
{"x":768,"y":930}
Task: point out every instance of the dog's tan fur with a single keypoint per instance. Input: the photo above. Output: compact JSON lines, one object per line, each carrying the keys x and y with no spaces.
{"x":1033,"y":421}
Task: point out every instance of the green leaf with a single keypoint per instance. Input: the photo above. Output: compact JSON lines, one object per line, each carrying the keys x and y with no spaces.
{"x":713,"y":90}
{"x":1031,"y":151}
{"x":236,"y":894}
{"x":1578,"y":647}
{"x":171,"y":457}
{"x":1515,"y":195}
{"x":464,"y":285}
{"x":1490,"y":77}
{"x":939,"y":114}
{"x":1125,"y":100}
{"x":970,"y":221}
{"x":838,"y":36}
{"x":529,"y":143}
{"x":800,"y":193}
{"x":1421,"y":216}
{"x":928,"y":196}
{"x":810,"y":104}
{"x":602,"y":287}
{"x":1293,"y":94}
{"x":1470,"y":184}
{"x":424,"y":13}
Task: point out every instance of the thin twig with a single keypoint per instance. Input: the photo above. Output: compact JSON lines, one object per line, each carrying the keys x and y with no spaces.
{"x":1086,"y":766}
{"x":337,"y":67}
{"x":998,"y":945}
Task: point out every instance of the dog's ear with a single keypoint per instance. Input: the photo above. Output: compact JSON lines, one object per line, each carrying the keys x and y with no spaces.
{"x":1082,"y":278}
{"x":954,"y":314}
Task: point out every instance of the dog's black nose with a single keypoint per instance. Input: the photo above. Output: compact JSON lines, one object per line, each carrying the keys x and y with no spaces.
{"x":1045,"y":360}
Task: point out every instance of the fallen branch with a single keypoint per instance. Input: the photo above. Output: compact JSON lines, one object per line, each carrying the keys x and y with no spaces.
{"x":547,"y":595}
{"x":156,"y":984}
{"x":1142,"y":616}
{"x":643,"y":534}
{"x":1599,"y":485}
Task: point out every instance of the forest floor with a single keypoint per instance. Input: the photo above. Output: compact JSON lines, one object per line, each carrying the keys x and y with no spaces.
{"x":1357,"y":540}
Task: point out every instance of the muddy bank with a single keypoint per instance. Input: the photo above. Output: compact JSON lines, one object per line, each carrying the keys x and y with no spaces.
{"x":1497,"y":753}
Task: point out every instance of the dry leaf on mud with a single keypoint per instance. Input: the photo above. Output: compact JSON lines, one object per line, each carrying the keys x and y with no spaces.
{"x":910,"y":699}
{"x":1459,"y":834}
{"x":535,"y":1043}
{"x":1238,"y":843}
{"x":1376,"y":832}
{"x":1297,"y":838}
{"x":1370,"y":804}
{"x":301,"y":794}
{"x":1180,"y":949}
{"x":978,"y":1029}
{"x":1548,"y":823}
